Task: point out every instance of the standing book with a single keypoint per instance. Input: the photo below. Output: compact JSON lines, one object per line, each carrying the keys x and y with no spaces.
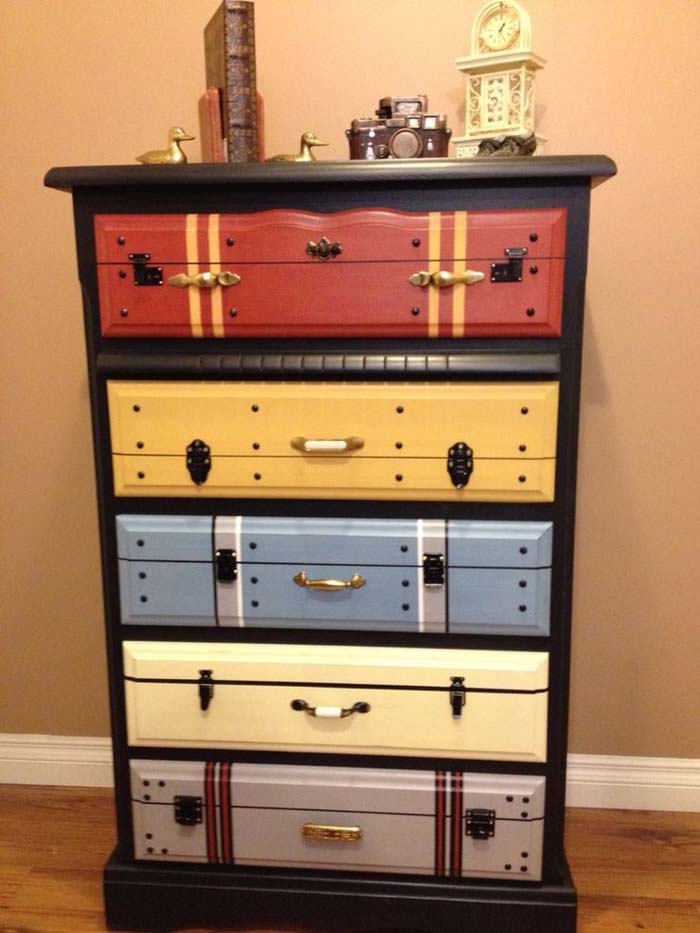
{"x":229,"y":51}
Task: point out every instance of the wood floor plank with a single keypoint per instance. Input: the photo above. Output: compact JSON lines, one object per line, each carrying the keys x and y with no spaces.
{"x":60,"y":900}
{"x":636,"y":854}
{"x":622,"y":914}
{"x":633,"y":870}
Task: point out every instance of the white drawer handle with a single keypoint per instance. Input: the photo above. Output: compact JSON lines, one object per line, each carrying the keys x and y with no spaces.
{"x":330,"y":712}
{"x":327,"y":445}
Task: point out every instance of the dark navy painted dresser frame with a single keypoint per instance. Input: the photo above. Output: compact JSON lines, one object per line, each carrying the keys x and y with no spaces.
{"x":147,"y":896}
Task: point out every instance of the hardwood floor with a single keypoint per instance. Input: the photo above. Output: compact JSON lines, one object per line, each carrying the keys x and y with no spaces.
{"x":633,"y":870}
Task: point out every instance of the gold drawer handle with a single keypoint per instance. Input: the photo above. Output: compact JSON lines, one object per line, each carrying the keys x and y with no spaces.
{"x":335,"y":833}
{"x":444,"y":279}
{"x":330,"y":712}
{"x":204,"y":279}
{"x":354,"y":583}
{"x":327,"y":445}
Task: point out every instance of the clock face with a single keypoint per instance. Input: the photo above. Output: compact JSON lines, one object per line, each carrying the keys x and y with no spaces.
{"x":501,"y":29}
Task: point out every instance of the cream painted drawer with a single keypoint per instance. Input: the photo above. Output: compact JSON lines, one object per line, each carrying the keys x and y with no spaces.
{"x":315,"y":698}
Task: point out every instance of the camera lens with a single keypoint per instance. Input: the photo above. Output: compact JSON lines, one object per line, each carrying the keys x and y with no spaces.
{"x":406,"y":144}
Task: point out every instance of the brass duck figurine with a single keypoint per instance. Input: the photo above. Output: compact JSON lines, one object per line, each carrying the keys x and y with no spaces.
{"x":173,"y":155}
{"x":305,"y":154}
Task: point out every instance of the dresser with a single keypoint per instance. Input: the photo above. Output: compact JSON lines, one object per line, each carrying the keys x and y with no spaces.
{"x":335,"y":412}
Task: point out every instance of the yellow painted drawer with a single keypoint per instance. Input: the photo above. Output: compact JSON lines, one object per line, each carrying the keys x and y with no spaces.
{"x":315,"y":698}
{"x":335,"y":440}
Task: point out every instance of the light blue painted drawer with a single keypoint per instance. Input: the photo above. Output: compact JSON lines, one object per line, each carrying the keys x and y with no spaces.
{"x":167,"y":592}
{"x":164,"y":537}
{"x":328,"y":573}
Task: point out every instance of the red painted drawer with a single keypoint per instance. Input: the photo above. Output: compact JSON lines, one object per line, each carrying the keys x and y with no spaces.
{"x":368,"y":285}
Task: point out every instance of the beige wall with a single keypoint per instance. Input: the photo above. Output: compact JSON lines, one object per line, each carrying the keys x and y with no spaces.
{"x":98,"y":81}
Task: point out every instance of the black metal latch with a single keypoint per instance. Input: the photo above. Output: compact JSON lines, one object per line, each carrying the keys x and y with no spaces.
{"x":480,"y":824}
{"x":206,"y":689}
{"x":226,"y":565}
{"x":143,"y":274}
{"x":188,"y":810}
{"x":460,"y":464}
{"x":511,"y":271}
{"x":458,"y":696}
{"x":198,"y":461}
{"x":433,"y":570}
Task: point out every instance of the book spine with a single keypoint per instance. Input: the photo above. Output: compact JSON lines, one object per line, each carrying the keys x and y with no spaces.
{"x":241,"y":108}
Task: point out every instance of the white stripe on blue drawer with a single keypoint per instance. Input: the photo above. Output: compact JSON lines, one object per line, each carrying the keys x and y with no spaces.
{"x":431,"y":599}
{"x":229,"y":595}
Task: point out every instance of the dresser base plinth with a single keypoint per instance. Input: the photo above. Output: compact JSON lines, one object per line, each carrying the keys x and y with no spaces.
{"x":159,"y":898}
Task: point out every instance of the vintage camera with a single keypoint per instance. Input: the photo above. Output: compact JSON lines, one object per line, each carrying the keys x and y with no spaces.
{"x":403,"y":129}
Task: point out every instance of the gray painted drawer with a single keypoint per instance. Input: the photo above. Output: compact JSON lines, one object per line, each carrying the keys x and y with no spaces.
{"x":357,"y":819}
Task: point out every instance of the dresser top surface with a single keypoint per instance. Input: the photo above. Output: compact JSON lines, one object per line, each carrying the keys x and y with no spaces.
{"x":396,"y":171}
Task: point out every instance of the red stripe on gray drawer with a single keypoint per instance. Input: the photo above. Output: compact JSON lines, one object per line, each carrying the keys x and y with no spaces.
{"x":210,"y":810}
{"x":225,"y":812}
{"x":440,"y":822}
{"x":456,"y":827}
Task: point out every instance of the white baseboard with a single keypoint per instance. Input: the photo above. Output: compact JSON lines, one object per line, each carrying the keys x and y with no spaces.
{"x":617,"y":783}
{"x":64,"y":760}
{"x":605,"y":781}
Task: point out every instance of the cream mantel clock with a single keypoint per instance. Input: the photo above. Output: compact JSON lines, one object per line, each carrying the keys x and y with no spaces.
{"x":500,"y":72}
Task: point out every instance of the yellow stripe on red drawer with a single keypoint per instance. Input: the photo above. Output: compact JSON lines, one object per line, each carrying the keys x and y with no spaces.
{"x":459,"y":291}
{"x":193,"y":295}
{"x":217,"y":312}
{"x":447,"y":307}
{"x":434,"y":218}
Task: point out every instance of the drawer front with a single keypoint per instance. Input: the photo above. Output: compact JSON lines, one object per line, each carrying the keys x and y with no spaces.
{"x":303,"y":440}
{"x":180,"y":538}
{"x":499,"y":602}
{"x":360,"y":819}
{"x":284,"y":285}
{"x":264,"y":697}
{"x":519,"y":545}
{"x":159,"y":592}
{"x":335,"y":573}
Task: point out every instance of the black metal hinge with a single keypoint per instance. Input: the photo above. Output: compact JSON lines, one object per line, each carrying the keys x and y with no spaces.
{"x":433,"y":570}
{"x":511,"y":271}
{"x":188,"y":810}
{"x":458,"y":696}
{"x":226,"y":565}
{"x":480,"y":824}
{"x":206,"y":689}
{"x":460,"y":464}
{"x":143,"y":274}
{"x":198,"y":461}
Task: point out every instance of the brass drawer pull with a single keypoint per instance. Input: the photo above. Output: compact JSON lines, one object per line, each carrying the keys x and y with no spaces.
{"x":330,"y":712}
{"x":204,"y":279}
{"x":354,"y":583}
{"x":444,"y":279}
{"x":327,"y":445}
{"x":324,"y":249}
{"x":335,"y":833}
